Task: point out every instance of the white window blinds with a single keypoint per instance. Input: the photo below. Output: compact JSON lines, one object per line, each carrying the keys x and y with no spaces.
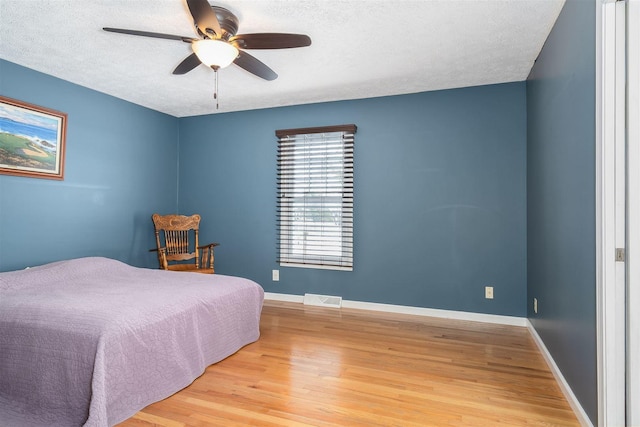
{"x":315,"y":197}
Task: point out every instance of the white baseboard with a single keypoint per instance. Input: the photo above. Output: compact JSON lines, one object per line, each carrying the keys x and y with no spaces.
{"x":583,"y":418}
{"x":420,"y":311}
{"x":283,"y":297}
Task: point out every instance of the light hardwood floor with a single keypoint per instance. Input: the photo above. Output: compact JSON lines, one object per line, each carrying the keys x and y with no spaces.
{"x":344,"y":367}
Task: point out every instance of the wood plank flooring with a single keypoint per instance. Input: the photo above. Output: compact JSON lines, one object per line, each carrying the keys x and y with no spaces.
{"x":344,"y":367}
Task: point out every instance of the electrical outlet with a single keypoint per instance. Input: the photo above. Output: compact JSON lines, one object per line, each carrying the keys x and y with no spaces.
{"x":535,"y":305}
{"x":488,"y":292}
{"x":275,"y":275}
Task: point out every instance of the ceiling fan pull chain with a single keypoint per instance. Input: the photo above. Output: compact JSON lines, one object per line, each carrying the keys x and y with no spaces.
{"x":215,"y":90}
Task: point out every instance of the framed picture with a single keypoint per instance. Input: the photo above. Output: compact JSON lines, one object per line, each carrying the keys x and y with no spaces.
{"x":32,"y":140}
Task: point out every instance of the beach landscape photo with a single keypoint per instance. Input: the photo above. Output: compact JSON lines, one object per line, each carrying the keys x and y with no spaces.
{"x":28,"y":140}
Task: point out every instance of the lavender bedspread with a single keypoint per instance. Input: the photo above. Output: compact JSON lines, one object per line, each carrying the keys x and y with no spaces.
{"x":91,"y":341}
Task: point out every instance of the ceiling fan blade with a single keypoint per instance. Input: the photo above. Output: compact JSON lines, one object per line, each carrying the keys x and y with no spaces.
{"x":204,"y":17}
{"x":189,"y":63}
{"x":254,"y":66}
{"x":149,"y":34}
{"x":270,"y":40}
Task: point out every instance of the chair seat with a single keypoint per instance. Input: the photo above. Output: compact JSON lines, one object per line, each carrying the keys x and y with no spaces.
{"x":189,"y":267}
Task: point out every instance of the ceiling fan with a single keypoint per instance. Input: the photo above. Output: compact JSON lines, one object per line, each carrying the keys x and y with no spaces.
{"x":218,"y":44}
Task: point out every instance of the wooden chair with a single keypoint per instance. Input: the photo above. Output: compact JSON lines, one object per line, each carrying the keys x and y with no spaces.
{"x":173,"y":245}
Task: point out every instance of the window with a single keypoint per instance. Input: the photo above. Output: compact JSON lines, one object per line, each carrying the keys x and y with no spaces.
{"x":315,"y":197}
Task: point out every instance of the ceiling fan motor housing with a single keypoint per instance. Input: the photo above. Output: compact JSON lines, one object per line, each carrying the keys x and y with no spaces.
{"x":228,"y":22}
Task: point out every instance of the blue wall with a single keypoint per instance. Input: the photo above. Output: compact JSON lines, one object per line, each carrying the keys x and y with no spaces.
{"x":440,"y":203}
{"x":561,"y":201}
{"x":120,"y":167}
{"x":440,"y":191}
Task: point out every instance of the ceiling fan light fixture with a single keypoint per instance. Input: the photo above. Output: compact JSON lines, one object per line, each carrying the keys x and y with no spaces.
{"x":215,"y":53}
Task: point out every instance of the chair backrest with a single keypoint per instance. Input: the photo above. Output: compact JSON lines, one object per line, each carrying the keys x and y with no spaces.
{"x":173,"y":234}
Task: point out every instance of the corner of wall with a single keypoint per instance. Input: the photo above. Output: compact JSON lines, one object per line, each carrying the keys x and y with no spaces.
{"x":177,"y":206}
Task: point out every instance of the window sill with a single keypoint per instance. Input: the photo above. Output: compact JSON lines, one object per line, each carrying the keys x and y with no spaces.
{"x":315,"y":266}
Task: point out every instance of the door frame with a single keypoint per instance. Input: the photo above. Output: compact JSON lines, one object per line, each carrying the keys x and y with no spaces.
{"x":633,"y":211}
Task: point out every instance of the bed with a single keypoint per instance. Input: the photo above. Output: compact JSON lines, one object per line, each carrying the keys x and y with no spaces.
{"x":91,"y":341}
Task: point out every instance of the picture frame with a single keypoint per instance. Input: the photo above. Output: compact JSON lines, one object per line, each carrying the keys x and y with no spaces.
{"x":32,"y":140}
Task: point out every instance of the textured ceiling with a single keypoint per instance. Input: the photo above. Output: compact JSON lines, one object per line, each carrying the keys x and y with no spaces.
{"x":360,"y":48}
